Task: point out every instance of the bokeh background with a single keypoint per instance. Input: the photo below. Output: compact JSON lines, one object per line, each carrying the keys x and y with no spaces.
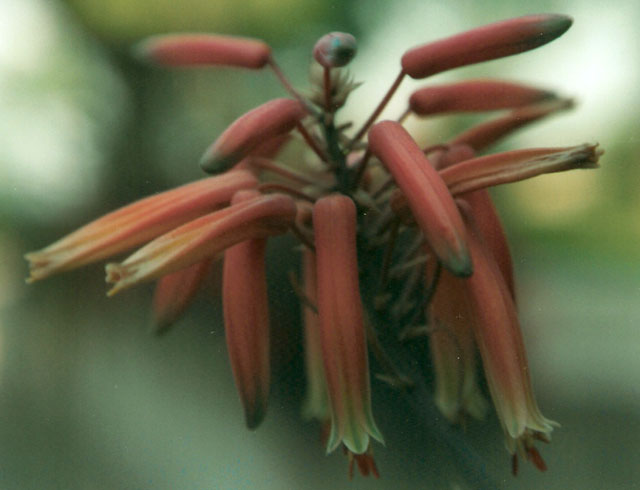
{"x":90,"y":400}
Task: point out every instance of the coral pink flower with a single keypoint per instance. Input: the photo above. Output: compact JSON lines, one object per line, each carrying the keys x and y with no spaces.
{"x":485,"y":134}
{"x":344,"y":347}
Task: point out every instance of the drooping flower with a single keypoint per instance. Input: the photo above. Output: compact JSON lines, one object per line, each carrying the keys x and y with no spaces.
{"x":346,"y":364}
{"x":497,"y":333}
{"x":246,"y":320}
{"x":386,"y":251}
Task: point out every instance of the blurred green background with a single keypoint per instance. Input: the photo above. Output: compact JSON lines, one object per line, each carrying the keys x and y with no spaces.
{"x":90,"y":400}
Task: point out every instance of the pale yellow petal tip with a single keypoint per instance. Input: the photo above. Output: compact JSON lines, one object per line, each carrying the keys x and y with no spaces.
{"x":116,"y":273}
{"x":39,"y":267}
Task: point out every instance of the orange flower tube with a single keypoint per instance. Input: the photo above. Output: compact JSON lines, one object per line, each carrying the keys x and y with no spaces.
{"x":512,"y":166}
{"x":344,"y":346}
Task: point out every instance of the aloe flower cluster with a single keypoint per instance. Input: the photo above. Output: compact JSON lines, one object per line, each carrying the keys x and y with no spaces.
{"x":396,"y":240}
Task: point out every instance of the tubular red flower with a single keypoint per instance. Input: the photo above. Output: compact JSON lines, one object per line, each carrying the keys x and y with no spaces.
{"x":344,"y":346}
{"x":512,"y":166}
{"x":427,"y":195}
{"x":474,"y":96}
{"x":487,"y":133}
{"x":174,"y":293}
{"x":499,"y":340}
{"x":267,"y":121}
{"x":137,"y":223}
{"x":484,"y":43}
{"x":485,"y":215}
{"x":246,"y":321}
{"x":316,"y":403}
{"x":203,"y":238}
{"x":453,"y":351}
{"x":205,"y":49}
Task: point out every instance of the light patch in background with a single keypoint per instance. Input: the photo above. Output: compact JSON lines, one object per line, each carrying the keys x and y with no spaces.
{"x":378,"y":60}
{"x":61,"y":104}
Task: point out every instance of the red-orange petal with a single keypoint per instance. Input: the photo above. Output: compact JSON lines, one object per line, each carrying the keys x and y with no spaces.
{"x":512,"y":166}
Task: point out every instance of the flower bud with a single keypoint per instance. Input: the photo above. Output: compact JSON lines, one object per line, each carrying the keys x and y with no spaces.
{"x":484,"y":43}
{"x":335,"y":49}
{"x":474,"y":96}
{"x":272,"y":119}
{"x":205,"y":49}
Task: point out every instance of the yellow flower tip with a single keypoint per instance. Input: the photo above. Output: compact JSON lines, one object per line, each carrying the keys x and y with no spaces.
{"x":116,"y":275}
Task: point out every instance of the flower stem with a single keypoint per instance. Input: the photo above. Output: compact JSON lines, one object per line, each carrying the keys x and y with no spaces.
{"x":379,"y":109}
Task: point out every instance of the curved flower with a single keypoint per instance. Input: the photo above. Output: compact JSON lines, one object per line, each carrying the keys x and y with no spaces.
{"x":270,"y":120}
